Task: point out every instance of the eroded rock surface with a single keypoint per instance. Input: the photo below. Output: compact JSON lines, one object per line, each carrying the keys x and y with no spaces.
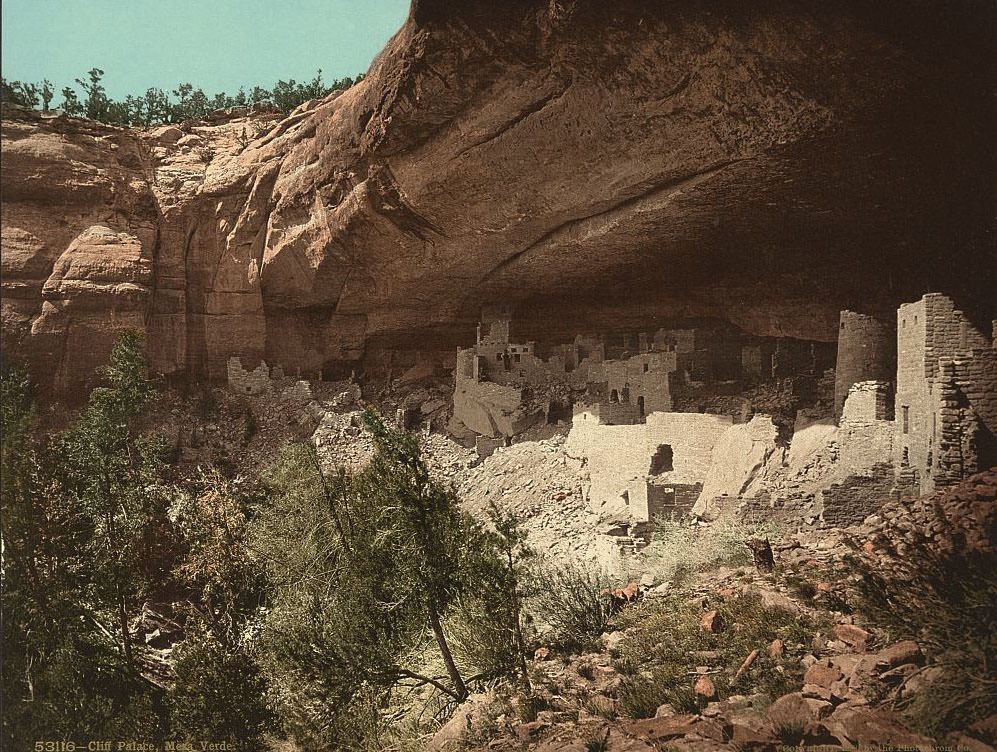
{"x":594,"y":166}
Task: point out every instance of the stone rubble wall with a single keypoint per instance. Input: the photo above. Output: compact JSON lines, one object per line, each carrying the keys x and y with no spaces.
{"x":241,"y":381}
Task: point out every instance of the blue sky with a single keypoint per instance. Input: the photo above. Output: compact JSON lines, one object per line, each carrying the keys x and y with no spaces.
{"x":218,"y":45}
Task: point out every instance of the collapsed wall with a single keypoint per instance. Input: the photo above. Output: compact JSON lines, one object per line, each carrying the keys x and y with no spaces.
{"x":628,"y":464}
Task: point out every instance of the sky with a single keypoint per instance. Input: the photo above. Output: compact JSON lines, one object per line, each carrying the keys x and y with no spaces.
{"x":217,"y":45}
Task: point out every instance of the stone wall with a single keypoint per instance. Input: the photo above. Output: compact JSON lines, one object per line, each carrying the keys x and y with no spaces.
{"x":946,"y":411}
{"x":241,"y":381}
{"x":641,"y":380}
{"x":618,"y":458}
{"x":866,"y":352}
{"x":858,"y":496}
{"x":607,"y":413}
{"x":867,"y":400}
{"x":741,"y":461}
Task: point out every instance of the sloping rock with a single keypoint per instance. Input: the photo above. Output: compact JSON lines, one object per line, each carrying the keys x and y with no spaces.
{"x":595,"y":166}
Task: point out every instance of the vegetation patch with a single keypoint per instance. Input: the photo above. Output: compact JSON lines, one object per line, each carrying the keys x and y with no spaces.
{"x":666,"y":647}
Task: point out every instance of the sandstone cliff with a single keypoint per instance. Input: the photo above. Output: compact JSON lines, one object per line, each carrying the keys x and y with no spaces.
{"x":592,"y":165}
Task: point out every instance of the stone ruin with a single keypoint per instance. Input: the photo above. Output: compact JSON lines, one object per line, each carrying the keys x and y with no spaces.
{"x":912,"y":411}
{"x":503,"y":387}
{"x":946,"y":398}
{"x":256,"y":381}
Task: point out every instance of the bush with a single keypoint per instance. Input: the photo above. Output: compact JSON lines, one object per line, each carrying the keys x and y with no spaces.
{"x":658,"y":660}
{"x":567,"y":607}
{"x":947,"y":602}
{"x":678,"y":550}
{"x":219,"y":693}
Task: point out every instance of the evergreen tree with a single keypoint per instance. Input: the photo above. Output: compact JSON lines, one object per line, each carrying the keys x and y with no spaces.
{"x":95,"y":103}
{"x":67,"y":664}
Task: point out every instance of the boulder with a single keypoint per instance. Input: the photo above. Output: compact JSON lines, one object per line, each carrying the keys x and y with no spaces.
{"x":712,"y":622}
{"x":853,"y":636}
{"x":704,"y":687}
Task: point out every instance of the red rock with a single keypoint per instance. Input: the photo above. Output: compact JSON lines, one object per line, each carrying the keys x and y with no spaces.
{"x":727,"y":592}
{"x":824,"y":587}
{"x":900,"y":653}
{"x":705,"y":687}
{"x":872,"y":727}
{"x":542,"y":654}
{"x":986,"y":492}
{"x":748,"y":739}
{"x":526,"y":732}
{"x":776,"y":648}
{"x":672,"y":727}
{"x":712,"y":622}
{"x":822,"y":675}
{"x":869,"y":547}
{"x":851,"y":635}
{"x":792,"y":711}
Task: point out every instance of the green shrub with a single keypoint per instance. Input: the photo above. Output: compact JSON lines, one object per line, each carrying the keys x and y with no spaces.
{"x":640,"y":696}
{"x":219,"y":693}
{"x":567,"y":606}
{"x":665,"y":643}
{"x":597,"y":741}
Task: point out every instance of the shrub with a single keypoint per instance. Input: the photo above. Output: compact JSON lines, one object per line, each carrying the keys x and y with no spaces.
{"x":947,"y":601}
{"x":658,"y":660}
{"x":678,"y":550}
{"x":567,"y":606}
{"x":219,"y":693}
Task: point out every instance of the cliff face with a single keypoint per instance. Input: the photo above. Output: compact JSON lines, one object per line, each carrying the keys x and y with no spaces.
{"x":596,"y":168}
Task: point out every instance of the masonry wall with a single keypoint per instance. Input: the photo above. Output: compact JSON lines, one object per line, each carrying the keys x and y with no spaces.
{"x":618,"y":457}
{"x":946,"y":380}
{"x":866,"y":352}
{"x":868,"y":400}
{"x":914,"y":410}
{"x":857,"y":497}
{"x":242,"y":381}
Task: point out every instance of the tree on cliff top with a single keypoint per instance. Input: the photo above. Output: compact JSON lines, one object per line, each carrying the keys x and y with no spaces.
{"x":156,"y":106}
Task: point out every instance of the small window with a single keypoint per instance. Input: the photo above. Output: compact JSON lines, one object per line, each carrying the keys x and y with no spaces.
{"x":906,"y":418}
{"x":646,"y":367}
{"x":517,"y":357}
{"x":614,"y":396}
{"x":498,"y":356}
{"x":842,"y":324}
